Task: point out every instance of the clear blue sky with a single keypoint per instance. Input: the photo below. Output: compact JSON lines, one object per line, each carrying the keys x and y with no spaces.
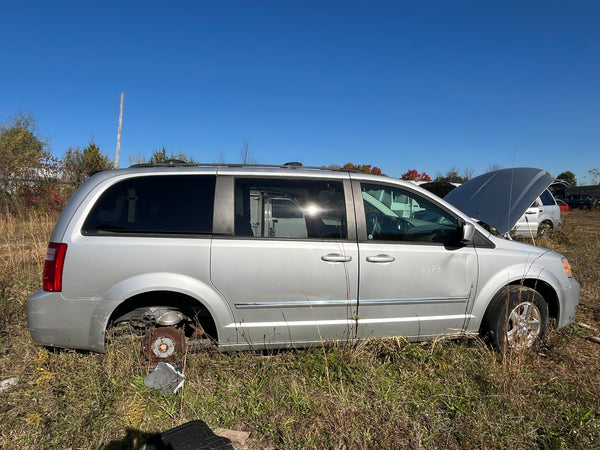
{"x":426,"y":85}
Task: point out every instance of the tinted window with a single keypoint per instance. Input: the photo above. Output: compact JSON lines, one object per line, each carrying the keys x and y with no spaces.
{"x":396,"y":214}
{"x":290,"y":208}
{"x":155,"y":204}
{"x":547,"y":198}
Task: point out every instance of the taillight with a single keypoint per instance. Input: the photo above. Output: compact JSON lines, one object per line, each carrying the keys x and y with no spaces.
{"x":53,"y":267}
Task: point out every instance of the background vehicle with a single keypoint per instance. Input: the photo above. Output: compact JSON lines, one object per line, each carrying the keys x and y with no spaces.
{"x":577,"y":201}
{"x":264,"y":257}
{"x":564,"y":207}
{"x":542,"y":217}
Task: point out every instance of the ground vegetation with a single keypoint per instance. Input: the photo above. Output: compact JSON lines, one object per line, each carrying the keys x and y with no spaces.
{"x":365,"y":394}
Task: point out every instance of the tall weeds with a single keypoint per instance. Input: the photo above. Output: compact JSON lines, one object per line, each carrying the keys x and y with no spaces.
{"x":368,"y":394}
{"x":23,"y":242}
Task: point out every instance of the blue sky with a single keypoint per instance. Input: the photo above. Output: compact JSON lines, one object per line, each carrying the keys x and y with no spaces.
{"x":426,"y":85}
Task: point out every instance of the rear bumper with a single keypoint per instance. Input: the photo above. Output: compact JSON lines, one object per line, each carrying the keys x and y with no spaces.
{"x":58,"y":322}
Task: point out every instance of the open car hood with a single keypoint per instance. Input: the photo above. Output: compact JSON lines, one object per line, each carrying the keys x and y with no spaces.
{"x":499,"y":198}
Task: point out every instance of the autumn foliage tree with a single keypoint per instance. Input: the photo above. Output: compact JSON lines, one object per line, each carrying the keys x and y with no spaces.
{"x":28,"y":172}
{"x":365,"y":168}
{"x":414,"y":175}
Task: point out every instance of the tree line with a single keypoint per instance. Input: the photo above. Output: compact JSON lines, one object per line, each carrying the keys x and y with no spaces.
{"x":30,"y":177}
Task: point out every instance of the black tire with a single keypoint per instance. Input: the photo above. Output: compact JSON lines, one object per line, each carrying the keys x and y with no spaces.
{"x":516,"y":319}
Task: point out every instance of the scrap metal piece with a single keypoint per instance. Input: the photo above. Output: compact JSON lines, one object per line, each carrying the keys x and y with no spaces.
{"x":7,"y":384}
{"x":166,"y":378}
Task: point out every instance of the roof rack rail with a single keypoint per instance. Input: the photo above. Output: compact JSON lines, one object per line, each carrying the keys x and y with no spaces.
{"x":290,"y":165}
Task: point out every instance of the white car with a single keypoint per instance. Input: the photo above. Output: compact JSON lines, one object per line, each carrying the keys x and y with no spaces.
{"x":542,"y":217}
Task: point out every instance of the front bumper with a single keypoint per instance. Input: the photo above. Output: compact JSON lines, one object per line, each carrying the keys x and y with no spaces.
{"x":569,"y":303}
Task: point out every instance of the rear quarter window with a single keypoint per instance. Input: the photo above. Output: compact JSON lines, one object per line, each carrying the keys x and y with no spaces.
{"x":547,"y":198}
{"x":169,"y":204}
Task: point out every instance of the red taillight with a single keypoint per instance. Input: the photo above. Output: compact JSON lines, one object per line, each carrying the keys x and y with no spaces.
{"x":53,"y":267}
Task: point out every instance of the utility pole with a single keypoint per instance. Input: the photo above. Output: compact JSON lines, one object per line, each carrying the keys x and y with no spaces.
{"x":119,"y":134}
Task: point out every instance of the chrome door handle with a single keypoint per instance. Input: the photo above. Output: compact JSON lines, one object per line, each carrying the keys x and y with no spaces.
{"x":336,"y":257}
{"x":380,"y":259}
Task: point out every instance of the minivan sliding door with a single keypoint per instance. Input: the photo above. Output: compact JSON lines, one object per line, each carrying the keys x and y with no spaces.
{"x":289,"y":270}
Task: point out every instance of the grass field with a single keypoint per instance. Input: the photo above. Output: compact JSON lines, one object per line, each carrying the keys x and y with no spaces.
{"x":367,"y":394}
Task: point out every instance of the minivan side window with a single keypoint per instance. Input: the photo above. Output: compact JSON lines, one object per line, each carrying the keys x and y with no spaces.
{"x":290,"y":208}
{"x":169,"y":204}
{"x":396,"y":214}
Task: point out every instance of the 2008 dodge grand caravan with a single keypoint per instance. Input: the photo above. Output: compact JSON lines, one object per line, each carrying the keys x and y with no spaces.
{"x":260,"y":257}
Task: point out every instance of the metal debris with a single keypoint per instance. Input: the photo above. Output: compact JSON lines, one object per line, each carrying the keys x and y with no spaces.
{"x":166,"y":378}
{"x":5,"y":385}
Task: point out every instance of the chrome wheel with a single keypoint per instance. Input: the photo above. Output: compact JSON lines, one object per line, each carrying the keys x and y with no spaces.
{"x":516,"y":319}
{"x":523,"y":326}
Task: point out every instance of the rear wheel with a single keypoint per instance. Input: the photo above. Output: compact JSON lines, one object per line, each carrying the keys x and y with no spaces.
{"x":517,"y":318}
{"x":545,"y":229}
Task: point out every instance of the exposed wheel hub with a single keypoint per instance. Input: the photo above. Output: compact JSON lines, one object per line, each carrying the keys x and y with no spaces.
{"x":163,"y":344}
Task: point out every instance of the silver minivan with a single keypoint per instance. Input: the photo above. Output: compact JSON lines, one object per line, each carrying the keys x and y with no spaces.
{"x":244,"y":257}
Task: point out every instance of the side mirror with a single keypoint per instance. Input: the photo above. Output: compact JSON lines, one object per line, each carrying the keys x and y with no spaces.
{"x":468,"y":233}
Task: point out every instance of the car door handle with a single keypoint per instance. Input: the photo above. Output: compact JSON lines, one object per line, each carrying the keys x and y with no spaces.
{"x":336,"y":257}
{"x":380,"y":259}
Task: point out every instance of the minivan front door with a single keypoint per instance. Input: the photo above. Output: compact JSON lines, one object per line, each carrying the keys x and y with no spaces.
{"x":415,"y":280}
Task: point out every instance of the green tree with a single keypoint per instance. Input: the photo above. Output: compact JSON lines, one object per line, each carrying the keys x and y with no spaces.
{"x":24,"y":157}
{"x":79,"y":164}
{"x":162,"y":156}
{"x":454,"y":176}
{"x":569,"y":177}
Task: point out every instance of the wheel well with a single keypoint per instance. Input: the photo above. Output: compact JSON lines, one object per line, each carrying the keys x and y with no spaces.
{"x":545,"y":291}
{"x":134,"y":308}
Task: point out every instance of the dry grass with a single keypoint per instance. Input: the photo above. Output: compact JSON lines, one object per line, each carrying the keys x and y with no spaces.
{"x":374,"y":394}
{"x":23,"y":242}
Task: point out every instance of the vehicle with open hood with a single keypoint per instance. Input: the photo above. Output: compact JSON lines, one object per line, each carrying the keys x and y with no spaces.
{"x":541,"y":217}
{"x":247,"y":257}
